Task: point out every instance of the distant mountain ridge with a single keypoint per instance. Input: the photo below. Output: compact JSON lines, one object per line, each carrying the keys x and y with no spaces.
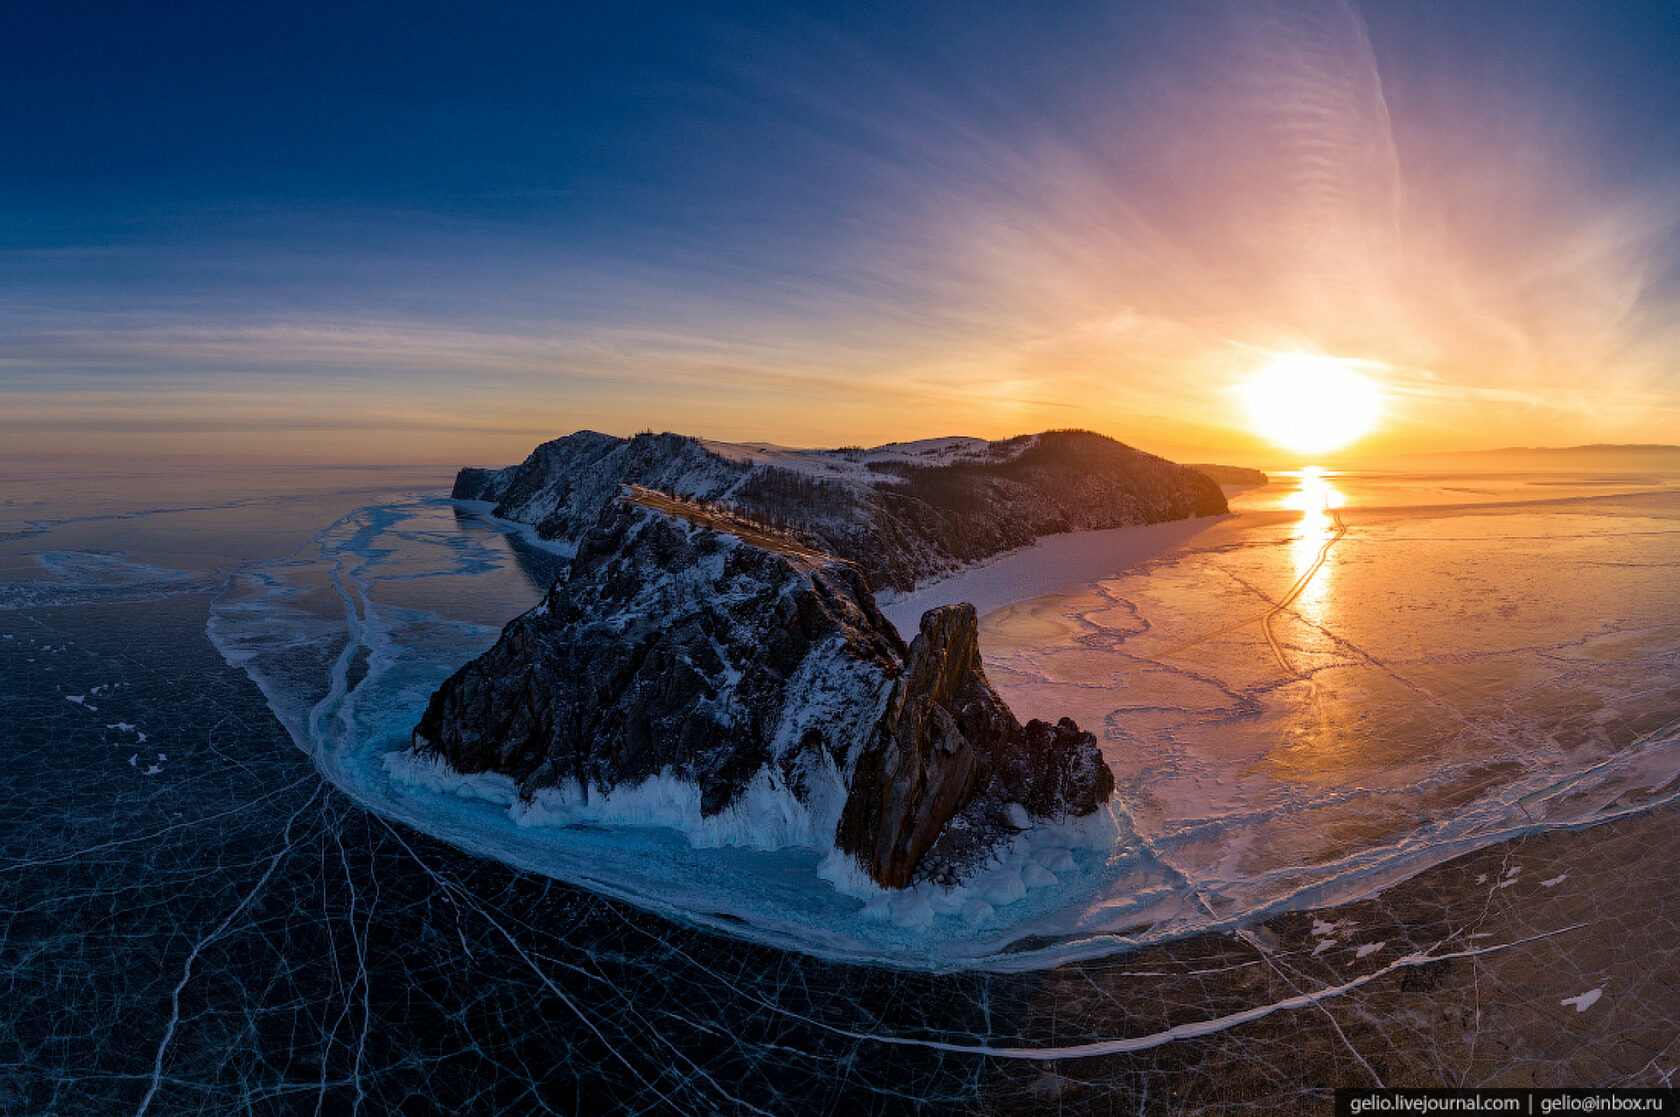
{"x":1235,"y":475}
{"x":1650,"y":455}
{"x":903,"y":513}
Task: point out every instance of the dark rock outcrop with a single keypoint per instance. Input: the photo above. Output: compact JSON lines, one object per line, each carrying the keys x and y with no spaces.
{"x":481,"y":484}
{"x":689,"y":641}
{"x":670,"y":646}
{"x":903,"y":513}
{"x":948,"y":744}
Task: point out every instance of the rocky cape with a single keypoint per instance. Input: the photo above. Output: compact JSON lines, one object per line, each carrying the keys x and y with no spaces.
{"x":904,"y":513}
{"x":689,"y":641}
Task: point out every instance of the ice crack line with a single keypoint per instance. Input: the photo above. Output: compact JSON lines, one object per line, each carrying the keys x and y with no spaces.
{"x":199,"y":946}
{"x":1196,"y":1028}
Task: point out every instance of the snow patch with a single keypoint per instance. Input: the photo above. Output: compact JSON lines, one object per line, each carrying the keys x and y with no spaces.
{"x":1325,"y":932}
{"x":1034,"y":875}
{"x":1053,"y":563}
{"x":1055,"y":858}
{"x":1001,"y":886}
{"x":1585,"y":1000}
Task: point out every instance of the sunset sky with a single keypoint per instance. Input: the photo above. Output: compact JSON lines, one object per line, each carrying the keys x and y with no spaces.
{"x":417,"y":232}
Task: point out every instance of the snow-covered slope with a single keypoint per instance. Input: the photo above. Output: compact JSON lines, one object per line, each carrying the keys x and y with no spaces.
{"x":904,"y":513}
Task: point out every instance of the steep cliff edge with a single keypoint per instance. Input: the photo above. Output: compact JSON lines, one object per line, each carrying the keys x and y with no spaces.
{"x":948,"y":749}
{"x":904,"y":513}
{"x":689,"y":643}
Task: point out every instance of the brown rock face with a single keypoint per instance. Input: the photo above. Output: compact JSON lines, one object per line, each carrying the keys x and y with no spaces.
{"x":947,"y":745}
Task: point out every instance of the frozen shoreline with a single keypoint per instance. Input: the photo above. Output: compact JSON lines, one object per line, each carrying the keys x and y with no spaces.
{"x":1054,"y":563}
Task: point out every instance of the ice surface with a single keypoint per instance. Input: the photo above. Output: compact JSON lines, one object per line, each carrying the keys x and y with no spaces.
{"x":232,"y":934}
{"x":1312,"y":701}
{"x":1272,"y":753}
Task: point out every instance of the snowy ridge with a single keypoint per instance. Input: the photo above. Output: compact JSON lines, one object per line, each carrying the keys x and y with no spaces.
{"x":906,"y":513}
{"x":853,"y":465}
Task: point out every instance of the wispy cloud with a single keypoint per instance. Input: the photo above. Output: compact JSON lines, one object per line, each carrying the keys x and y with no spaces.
{"x":1104,"y":223}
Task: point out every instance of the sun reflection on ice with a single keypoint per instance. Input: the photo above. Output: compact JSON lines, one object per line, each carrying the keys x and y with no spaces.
{"x":1317,"y":499}
{"x":1314,"y":748}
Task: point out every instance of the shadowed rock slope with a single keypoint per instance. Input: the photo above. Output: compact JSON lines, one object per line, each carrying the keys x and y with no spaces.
{"x":685,"y":642}
{"x":947,"y":764}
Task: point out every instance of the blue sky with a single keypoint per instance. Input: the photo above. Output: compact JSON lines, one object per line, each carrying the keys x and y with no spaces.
{"x":441,"y":233}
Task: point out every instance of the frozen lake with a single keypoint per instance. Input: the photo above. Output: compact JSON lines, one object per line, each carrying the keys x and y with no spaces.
{"x":1358,"y":676}
{"x":1352,"y":680}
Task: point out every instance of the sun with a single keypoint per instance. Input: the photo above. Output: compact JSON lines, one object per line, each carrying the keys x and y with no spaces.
{"x":1311,"y":404}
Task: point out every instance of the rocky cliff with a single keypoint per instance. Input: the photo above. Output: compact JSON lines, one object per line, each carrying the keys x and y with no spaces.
{"x":689,"y":641}
{"x":947,"y":767}
{"x":902,"y":513}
